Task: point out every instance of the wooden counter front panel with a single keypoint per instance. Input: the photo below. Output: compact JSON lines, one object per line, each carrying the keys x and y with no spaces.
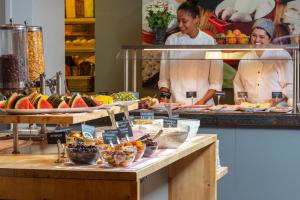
{"x":194,"y":177}
{"x":67,"y":189}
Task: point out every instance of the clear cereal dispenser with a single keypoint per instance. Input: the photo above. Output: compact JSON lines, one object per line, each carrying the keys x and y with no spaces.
{"x":13,"y":57}
{"x":36,"y":65}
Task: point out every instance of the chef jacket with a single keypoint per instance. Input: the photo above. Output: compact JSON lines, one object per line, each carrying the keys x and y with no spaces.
{"x":259,"y":77}
{"x":182,"y":71}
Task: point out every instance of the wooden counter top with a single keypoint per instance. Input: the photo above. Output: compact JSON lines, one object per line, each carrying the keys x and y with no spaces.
{"x":43,"y":166}
{"x":66,"y":118}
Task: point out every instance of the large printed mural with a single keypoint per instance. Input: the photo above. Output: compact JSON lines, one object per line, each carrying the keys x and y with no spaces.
{"x":217,"y":17}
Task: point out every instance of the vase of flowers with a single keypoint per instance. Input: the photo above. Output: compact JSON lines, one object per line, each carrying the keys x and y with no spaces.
{"x":158,"y":18}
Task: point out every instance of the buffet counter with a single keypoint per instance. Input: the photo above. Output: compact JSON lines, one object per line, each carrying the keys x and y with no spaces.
{"x":37,"y":176}
{"x":239,"y":119}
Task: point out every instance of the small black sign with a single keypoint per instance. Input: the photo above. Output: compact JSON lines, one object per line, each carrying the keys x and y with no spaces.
{"x":170,"y":123}
{"x":242,"y":94}
{"x":125,"y":129}
{"x":220,"y":93}
{"x":85,"y":129}
{"x":54,"y":136}
{"x":191,"y":94}
{"x":276,"y":95}
{"x":110,"y":136}
{"x":147,"y":115}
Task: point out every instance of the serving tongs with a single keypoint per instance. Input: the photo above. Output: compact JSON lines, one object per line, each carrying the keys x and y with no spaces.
{"x":145,"y":137}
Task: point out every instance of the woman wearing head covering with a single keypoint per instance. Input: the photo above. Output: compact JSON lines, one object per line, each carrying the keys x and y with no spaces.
{"x":262,"y":72}
{"x":186,"y":71}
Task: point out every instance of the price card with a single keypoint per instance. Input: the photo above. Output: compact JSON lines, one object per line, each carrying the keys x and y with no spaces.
{"x":191,"y":94}
{"x":54,"y":136}
{"x":125,"y":129}
{"x":85,"y":129}
{"x":242,"y":94}
{"x":111,"y":136}
{"x":147,"y":115}
{"x":277,"y":95}
{"x":170,"y":122}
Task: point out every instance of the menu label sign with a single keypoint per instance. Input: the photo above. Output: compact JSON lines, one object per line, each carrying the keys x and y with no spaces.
{"x":242,"y":94}
{"x":191,"y":94}
{"x":54,"y":136}
{"x":124,"y":129}
{"x":147,"y":115}
{"x":277,"y":95}
{"x":110,"y":136}
{"x":170,"y":123}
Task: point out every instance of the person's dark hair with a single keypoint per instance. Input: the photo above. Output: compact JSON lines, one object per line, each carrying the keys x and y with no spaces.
{"x":189,"y":7}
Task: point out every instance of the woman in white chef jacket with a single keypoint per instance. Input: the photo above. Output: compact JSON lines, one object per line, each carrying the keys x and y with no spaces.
{"x":192,"y":73}
{"x":262,"y":72}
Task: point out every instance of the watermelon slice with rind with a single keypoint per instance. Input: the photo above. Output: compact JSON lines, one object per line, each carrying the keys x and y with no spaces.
{"x":43,"y":104}
{"x":23,"y":103}
{"x":78,"y":102}
{"x":11,"y":100}
{"x":63,"y":104}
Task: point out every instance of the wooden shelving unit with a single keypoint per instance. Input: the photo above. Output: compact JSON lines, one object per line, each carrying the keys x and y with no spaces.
{"x":71,"y":21}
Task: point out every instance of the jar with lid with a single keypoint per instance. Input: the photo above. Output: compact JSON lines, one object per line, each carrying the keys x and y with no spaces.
{"x":13,"y":56}
{"x":35,"y":52}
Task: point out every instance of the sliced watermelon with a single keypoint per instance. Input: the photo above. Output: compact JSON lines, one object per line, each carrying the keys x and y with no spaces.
{"x":2,"y":104}
{"x":43,"y":104}
{"x":98,"y":103}
{"x":78,"y":102}
{"x":23,"y":103}
{"x":72,"y":99}
{"x":11,"y":100}
{"x":63,"y":104}
{"x":31,"y":96}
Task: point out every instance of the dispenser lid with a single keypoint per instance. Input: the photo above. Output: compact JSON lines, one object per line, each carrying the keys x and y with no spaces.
{"x":12,"y":27}
{"x":34,"y":28}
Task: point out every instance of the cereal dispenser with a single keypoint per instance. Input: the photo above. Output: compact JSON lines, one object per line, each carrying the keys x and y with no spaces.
{"x":36,"y":65}
{"x":13,"y":57}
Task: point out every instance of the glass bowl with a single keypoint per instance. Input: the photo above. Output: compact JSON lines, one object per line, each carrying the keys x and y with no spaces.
{"x":119,"y":156}
{"x":83,"y":155}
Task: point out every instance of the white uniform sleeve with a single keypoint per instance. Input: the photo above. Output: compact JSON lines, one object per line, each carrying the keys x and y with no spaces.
{"x":216,"y":75}
{"x":164,"y":72}
{"x":285,"y":72}
{"x":237,"y":82}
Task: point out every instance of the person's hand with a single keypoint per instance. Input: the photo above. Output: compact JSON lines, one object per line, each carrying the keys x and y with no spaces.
{"x":275,"y":101}
{"x":238,"y":101}
{"x":200,"y":102}
{"x":164,"y":100}
{"x":164,"y":89}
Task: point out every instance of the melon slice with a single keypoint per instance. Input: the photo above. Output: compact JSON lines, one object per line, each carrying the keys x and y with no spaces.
{"x":2,"y":104}
{"x":23,"y":103}
{"x":11,"y":100}
{"x":43,"y":104}
{"x":63,"y":104}
{"x":78,"y":102}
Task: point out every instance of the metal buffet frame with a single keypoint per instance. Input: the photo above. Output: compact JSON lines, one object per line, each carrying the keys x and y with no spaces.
{"x":130,"y":54}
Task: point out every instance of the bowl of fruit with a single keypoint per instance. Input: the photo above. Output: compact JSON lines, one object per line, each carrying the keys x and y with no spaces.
{"x":81,"y":154}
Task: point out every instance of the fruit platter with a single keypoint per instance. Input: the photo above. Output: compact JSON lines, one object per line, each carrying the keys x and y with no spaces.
{"x":37,"y":103}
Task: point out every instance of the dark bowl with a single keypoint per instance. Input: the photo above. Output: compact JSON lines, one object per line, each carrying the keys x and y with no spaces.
{"x":83,"y":158}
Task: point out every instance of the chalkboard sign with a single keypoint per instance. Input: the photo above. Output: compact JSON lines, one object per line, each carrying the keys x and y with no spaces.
{"x":191,"y":94}
{"x":124,"y":129}
{"x":110,"y":136}
{"x":54,"y":136}
{"x":170,"y":123}
{"x":147,"y":115}
{"x":276,"y":95}
{"x":242,"y":94}
{"x":85,"y":129}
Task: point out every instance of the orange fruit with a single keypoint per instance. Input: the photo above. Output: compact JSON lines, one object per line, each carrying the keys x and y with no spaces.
{"x":237,"y":32}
